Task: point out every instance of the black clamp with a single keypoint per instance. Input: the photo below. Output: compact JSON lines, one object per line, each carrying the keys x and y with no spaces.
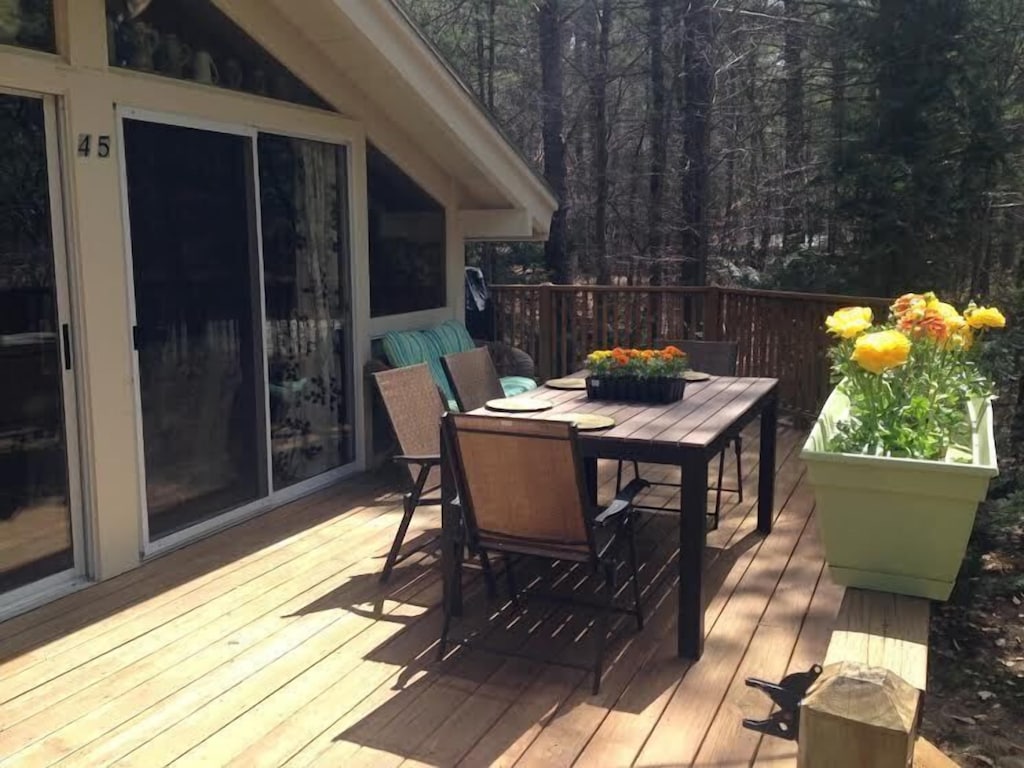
{"x":787,"y":695}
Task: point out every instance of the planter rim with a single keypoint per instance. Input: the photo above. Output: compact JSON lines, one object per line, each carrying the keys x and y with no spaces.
{"x":981,"y":437}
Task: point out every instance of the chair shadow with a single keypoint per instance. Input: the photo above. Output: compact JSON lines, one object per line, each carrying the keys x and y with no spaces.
{"x":430,"y":704}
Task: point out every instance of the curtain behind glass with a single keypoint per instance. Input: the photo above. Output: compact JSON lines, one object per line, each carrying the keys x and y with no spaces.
{"x":308,"y":333}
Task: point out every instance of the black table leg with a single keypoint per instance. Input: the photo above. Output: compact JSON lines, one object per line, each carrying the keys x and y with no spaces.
{"x":451,"y":546}
{"x":692,"y":537}
{"x":766,"y":467}
{"x":590,"y":475}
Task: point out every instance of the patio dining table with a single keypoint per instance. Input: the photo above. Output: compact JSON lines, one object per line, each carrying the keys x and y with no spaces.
{"x":687,"y":434}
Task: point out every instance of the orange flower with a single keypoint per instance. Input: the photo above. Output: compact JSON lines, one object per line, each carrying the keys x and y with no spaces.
{"x":670,"y":352}
{"x":910,"y":305}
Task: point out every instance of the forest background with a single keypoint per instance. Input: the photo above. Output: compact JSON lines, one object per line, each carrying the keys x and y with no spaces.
{"x":849,"y":147}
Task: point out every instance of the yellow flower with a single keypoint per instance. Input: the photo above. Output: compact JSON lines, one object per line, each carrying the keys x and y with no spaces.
{"x":962,"y":338}
{"x":849,"y":321}
{"x":948,"y":313}
{"x":984,"y":317}
{"x":880,"y":351}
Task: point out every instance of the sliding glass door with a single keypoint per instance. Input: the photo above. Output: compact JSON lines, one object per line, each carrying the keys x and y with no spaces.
{"x":239,"y":249}
{"x":195,"y":269}
{"x":38,"y":493}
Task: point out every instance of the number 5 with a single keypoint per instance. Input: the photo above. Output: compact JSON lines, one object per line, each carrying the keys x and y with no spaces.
{"x":103,"y":146}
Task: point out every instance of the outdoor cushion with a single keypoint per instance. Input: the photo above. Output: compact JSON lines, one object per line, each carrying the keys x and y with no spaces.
{"x":450,"y":337}
{"x":405,"y":348}
{"x":516,"y":385}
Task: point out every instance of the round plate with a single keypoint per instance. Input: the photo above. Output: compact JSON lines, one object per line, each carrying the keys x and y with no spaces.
{"x":696,"y":376}
{"x":585,"y":422}
{"x":566,"y":383}
{"x":519,"y":404}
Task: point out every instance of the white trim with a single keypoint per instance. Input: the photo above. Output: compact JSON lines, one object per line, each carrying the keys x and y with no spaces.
{"x":40,"y":592}
{"x":65,"y":315}
{"x":257,"y":202}
{"x":235,"y":516}
{"x":390,"y":32}
{"x":132,"y":323}
{"x":184,"y":121}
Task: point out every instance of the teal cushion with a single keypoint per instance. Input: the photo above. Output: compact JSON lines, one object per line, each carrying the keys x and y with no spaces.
{"x":516,"y":385}
{"x":405,"y":348}
{"x":450,"y":337}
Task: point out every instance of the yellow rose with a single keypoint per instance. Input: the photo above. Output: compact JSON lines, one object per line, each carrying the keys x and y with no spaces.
{"x":984,"y":317}
{"x":849,"y":321}
{"x":880,"y":351}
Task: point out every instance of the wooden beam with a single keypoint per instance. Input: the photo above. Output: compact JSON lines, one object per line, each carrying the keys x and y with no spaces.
{"x":865,"y":708}
{"x":503,"y":224}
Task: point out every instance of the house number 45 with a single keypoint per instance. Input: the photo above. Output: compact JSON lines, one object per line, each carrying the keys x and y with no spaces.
{"x":85,"y":145}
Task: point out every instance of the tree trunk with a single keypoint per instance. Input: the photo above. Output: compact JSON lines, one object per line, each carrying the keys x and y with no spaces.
{"x":793,"y":116}
{"x":600,"y":94}
{"x":838,"y":119}
{"x":698,"y":82}
{"x":659,"y":139}
{"x":549,"y":27}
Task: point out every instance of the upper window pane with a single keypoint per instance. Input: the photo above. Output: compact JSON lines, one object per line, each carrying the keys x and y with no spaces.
{"x":193,"y":40}
{"x":28,"y":24}
{"x":407,"y":253}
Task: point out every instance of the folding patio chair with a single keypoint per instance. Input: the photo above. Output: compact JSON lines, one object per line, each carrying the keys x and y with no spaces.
{"x":473,"y":378}
{"x":522,"y":492}
{"x":414,"y":406}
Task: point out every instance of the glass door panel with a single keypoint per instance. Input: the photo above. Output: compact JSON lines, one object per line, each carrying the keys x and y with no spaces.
{"x":195,"y":264}
{"x":303,"y":202}
{"x":36,"y":537}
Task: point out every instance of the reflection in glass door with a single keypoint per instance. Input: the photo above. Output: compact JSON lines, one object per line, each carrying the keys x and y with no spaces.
{"x":196,"y":285}
{"x":37,"y":498}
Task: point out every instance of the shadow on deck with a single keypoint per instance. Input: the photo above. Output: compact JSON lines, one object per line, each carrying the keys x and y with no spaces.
{"x":273,"y":643}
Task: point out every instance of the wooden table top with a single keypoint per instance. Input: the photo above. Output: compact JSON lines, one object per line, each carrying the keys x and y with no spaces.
{"x":707,"y":413}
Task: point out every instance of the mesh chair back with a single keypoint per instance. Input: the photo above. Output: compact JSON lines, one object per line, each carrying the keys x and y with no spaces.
{"x":415,"y":408}
{"x":521,"y":484}
{"x":715,"y":357}
{"x":473,"y":378}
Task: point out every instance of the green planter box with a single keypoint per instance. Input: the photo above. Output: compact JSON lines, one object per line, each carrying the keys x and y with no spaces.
{"x":897,"y":525}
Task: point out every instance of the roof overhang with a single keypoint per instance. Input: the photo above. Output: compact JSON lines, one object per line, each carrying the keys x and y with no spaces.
{"x":376,"y":47}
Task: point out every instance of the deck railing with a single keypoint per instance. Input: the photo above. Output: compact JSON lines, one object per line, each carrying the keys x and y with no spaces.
{"x":780,"y":334}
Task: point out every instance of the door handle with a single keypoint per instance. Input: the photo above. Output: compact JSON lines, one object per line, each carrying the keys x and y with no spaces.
{"x":65,"y":331}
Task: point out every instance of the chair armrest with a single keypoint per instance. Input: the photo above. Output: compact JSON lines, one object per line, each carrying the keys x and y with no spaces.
{"x":429,"y":460}
{"x":623,"y":501}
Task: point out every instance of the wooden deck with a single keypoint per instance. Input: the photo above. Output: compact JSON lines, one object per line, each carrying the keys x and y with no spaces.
{"x":273,"y":644}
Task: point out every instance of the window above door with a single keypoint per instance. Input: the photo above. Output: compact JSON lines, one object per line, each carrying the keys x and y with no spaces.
{"x":27,"y":24}
{"x":194,"y":40}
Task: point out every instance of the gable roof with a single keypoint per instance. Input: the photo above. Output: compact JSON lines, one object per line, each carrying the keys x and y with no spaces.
{"x":395,"y":81}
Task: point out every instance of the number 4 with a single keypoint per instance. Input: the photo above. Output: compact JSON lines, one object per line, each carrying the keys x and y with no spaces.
{"x":84,"y":145}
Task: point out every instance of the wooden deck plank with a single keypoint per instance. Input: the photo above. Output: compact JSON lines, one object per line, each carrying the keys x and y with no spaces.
{"x":86,"y":618}
{"x":677,"y":737}
{"x":273,"y":644}
{"x":624,"y":731}
{"x":278,"y":608}
{"x":570,"y":733}
{"x":79,"y":670}
{"x":767,"y":656}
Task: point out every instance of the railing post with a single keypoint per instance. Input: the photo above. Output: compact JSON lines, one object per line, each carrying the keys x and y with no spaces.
{"x":712,"y":312}
{"x":546,"y":332}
